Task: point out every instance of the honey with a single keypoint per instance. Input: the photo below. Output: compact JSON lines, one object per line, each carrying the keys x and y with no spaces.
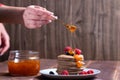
{"x":24,"y":67}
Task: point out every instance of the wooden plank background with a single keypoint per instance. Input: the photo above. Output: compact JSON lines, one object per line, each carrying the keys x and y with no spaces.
{"x":98,"y":32}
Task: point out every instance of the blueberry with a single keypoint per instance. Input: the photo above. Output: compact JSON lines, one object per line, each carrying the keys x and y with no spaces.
{"x":67,"y":53}
{"x":51,"y":72}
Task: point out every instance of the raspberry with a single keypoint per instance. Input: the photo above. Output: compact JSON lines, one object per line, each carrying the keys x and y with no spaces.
{"x":82,"y":72}
{"x":90,"y":71}
{"x":77,"y":51}
{"x":64,"y":72}
{"x":68,"y":48}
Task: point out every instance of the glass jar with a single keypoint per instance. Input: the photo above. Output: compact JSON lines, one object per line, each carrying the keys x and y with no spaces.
{"x":23,"y":63}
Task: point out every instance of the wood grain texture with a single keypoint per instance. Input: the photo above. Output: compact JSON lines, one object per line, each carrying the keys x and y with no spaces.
{"x":110,"y":70}
{"x":98,"y":23}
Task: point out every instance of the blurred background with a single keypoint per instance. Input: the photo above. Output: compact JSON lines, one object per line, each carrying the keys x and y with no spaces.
{"x":97,"y":34}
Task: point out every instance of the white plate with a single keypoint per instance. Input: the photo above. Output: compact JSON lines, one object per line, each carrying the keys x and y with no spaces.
{"x":45,"y":73}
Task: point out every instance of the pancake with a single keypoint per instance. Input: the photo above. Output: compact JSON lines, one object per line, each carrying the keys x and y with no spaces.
{"x":68,"y":62}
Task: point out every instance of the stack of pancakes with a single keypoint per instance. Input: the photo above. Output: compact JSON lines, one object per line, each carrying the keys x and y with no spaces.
{"x":68,"y":62}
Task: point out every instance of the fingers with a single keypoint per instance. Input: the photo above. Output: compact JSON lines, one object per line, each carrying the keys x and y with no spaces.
{"x":0,"y":41}
{"x":36,"y":23}
{"x":40,"y":10}
{"x":5,"y":46}
{"x":38,"y":16}
{"x":4,"y":40}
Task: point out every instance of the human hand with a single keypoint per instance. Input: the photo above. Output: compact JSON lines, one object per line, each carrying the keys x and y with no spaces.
{"x":36,"y":16}
{"x":4,"y":40}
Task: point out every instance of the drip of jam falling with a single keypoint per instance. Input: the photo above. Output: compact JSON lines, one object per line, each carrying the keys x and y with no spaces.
{"x":71,"y":28}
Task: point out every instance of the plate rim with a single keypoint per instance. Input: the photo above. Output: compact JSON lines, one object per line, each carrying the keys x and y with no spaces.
{"x":51,"y":75}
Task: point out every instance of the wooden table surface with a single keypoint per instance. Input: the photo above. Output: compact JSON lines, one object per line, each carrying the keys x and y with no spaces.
{"x":110,"y":70}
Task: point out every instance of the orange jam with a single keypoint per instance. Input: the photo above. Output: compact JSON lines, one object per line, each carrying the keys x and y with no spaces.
{"x":79,"y":57}
{"x":79,"y":64}
{"x":24,"y":67}
{"x":71,"y":28}
{"x":71,"y":52}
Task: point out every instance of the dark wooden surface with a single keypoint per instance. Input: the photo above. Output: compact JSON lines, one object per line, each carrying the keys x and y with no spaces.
{"x":98,"y":23}
{"x":110,"y":70}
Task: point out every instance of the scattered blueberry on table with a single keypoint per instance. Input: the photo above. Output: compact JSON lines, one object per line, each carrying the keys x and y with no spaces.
{"x":51,"y":72}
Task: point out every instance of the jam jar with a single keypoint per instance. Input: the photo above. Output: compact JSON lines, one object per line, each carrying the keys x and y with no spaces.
{"x":23,"y":63}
